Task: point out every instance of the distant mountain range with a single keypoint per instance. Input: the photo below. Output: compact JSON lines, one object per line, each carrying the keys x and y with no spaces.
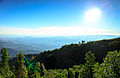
{"x":14,"y":48}
{"x":35,"y":45}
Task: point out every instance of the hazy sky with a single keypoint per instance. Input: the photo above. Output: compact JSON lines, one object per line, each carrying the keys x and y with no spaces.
{"x":58,"y":17}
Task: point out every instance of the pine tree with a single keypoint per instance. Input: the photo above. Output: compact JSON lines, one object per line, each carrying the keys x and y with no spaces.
{"x":90,"y":62}
{"x":4,"y":67}
{"x":87,"y":70}
{"x":21,"y":71}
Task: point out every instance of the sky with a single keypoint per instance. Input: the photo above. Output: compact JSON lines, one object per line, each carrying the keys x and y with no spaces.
{"x":59,"y":17}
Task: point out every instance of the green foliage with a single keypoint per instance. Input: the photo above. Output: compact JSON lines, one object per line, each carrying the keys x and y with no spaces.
{"x":50,"y":74}
{"x":90,"y":58}
{"x":73,"y":54}
{"x":4,"y":67}
{"x":110,"y":68}
{"x":59,"y":75}
{"x":77,"y":68}
{"x":95,"y":70}
{"x":21,"y":71}
{"x":71,"y":73}
{"x":38,"y":68}
{"x":42,"y":70}
{"x":65,"y":73}
{"x":66,"y":57}
{"x":1,"y":76}
{"x":87,"y":70}
{"x":83,"y":72}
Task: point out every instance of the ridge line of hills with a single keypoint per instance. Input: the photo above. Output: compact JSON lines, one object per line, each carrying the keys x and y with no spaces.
{"x":74,"y":54}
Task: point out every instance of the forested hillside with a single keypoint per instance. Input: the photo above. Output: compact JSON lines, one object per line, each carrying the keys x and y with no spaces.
{"x":94,"y":59}
{"x":74,"y":54}
{"x":35,"y":45}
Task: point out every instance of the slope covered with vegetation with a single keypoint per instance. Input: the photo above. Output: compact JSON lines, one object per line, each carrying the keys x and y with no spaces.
{"x":74,"y":54}
{"x":96,"y":59}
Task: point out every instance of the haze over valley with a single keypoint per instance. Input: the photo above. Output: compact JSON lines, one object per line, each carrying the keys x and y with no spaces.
{"x":35,"y":45}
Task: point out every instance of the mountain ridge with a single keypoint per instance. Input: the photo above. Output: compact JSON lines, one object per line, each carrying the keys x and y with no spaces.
{"x":74,"y":54}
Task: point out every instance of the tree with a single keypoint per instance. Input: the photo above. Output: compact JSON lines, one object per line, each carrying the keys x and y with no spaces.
{"x":95,"y":70}
{"x":110,"y":68}
{"x":4,"y":67}
{"x":21,"y":71}
{"x":83,"y":42}
{"x":37,"y":68}
{"x":87,"y":70}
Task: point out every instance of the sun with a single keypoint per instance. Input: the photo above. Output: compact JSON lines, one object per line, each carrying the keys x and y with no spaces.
{"x":92,"y":15}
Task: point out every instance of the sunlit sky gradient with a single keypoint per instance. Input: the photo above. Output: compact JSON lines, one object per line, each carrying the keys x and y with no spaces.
{"x":58,"y":17}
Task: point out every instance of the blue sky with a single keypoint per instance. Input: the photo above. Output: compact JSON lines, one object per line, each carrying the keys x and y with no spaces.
{"x":58,"y":17}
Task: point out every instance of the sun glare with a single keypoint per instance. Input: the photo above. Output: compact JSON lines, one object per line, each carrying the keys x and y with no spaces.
{"x":92,"y":15}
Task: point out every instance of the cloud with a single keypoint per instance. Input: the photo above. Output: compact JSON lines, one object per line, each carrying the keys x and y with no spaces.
{"x":54,"y":31}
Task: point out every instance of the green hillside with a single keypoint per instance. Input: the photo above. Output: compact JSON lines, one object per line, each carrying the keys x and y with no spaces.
{"x":94,"y":59}
{"x":74,"y":54}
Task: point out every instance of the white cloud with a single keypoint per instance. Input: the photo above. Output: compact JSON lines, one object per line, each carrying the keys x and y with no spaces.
{"x":54,"y":31}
